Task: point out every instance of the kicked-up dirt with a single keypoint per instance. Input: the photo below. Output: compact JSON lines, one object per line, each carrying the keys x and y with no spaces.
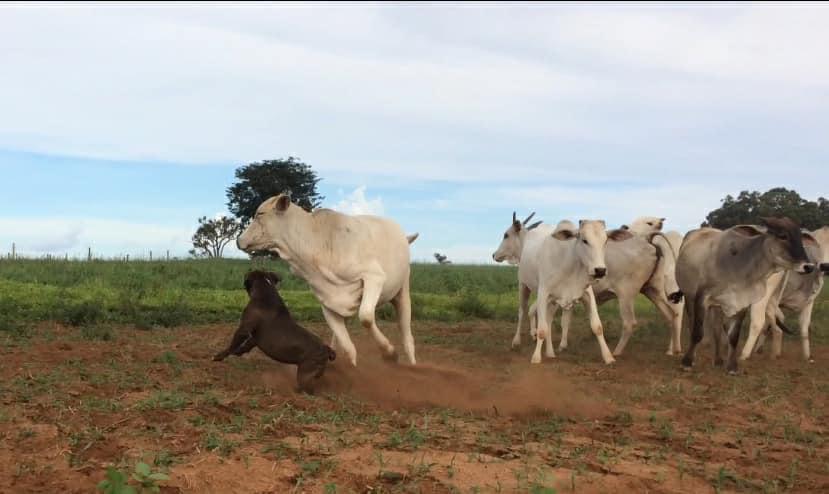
{"x":472,"y":416}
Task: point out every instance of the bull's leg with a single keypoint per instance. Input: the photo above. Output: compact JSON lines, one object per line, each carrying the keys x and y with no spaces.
{"x":628,"y":324}
{"x":543,"y":329}
{"x":718,"y":328}
{"x":757,"y":321}
{"x":403,"y":306}
{"x":695,"y":317}
{"x":523,"y":301}
{"x":566,"y":317}
{"x":805,"y":320}
{"x":736,"y":324}
{"x":372,"y":288}
{"x":337,"y":325}
{"x":533,"y":317}
{"x":551,"y":314}
{"x":589,"y":300}
{"x":672,"y":314}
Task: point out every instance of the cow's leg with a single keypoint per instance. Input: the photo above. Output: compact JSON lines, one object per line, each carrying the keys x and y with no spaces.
{"x":533,"y":317}
{"x":543,"y":329}
{"x":551,"y":314}
{"x":756,"y":323}
{"x":372,"y":288}
{"x":695,"y":317}
{"x":736,"y":324}
{"x":523,"y":301}
{"x":337,"y":324}
{"x":672,"y":314}
{"x":628,"y":324}
{"x":717,"y":325}
{"x":566,"y":317}
{"x":589,"y":300}
{"x":805,"y":320}
{"x":403,"y":306}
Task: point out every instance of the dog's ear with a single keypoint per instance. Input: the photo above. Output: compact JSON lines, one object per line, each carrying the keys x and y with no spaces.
{"x":248,"y":284}
{"x":275,"y":279}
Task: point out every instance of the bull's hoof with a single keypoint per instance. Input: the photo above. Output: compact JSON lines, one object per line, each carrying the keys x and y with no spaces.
{"x":687,"y":368}
{"x":536,"y":359}
{"x":732,"y":372}
{"x":516,"y":344}
{"x":390,"y":357}
{"x":676,"y":297}
{"x":610,"y":362}
{"x":561,"y":348}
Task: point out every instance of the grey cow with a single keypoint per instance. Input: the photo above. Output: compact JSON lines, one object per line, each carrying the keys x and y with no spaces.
{"x":726,"y":272}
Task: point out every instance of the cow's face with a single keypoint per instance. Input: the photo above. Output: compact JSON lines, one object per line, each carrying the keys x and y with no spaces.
{"x":646,"y":224}
{"x":513,"y":241}
{"x":510,"y":248}
{"x":263,"y":231}
{"x":592,"y":239}
{"x":785,"y":245}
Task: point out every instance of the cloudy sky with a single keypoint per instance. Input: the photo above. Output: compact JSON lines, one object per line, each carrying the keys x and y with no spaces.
{"x":119,"y":126}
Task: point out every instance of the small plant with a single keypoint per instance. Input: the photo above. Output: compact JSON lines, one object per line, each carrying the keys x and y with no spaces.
{"x":116,"y":482}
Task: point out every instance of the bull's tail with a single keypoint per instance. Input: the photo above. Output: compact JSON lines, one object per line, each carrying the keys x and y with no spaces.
{"x":332,"y":355}
{"x":411,"y":238}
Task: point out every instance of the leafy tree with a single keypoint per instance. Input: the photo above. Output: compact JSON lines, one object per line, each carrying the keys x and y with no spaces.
{"x":749,"y":207}
{"x":259,"y":181}
{"x":213,"y":235}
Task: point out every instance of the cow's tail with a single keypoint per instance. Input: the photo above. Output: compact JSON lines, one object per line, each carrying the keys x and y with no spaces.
{"x":411,"y":238}
{"x":675,"y":297}
{"x":778,"y":320}
{"x":332,"y":355}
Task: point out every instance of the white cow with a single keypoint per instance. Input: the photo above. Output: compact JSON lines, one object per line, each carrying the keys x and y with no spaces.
{"x":351,"y":263}
{"x":793,"y":291}
{"x":567,"y":265}
{"x":521,"y":245}
{"x":634,"y":266}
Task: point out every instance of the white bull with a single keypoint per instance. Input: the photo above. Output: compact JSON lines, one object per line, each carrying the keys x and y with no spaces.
{"x":351,"y":263}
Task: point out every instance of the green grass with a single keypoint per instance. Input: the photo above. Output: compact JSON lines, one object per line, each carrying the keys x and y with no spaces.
{"x":174,"y":293}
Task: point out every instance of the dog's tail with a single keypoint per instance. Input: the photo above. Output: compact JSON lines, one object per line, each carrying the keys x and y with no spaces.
{"x":332,"y":355}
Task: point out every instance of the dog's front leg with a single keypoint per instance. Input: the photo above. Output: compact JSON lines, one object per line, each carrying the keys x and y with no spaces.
{"x":242,"y":342}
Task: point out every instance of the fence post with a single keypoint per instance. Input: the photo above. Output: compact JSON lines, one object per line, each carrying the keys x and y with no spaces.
{"x":14,"y":251}
{"x":168,"y":254}
{"x":89,"y":254}
{"x":128,"y":258}
{"x":151,"y":256}
{"x":66,"y":257}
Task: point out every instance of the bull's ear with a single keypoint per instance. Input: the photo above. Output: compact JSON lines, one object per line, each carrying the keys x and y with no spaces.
{"x":563,"y":235}
{"x":619,"y":235}
{"x":747,"y":230}
{"x":581,"y":222}
{"x":662,"y":220}
{"x":282,"y":203}
{"x":516,"y":225}
{"x":624,"y":227}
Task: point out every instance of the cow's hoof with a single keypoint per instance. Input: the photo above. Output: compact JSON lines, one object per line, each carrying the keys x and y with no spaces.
{"x":535,"y":359}
{"x":687,"y":368}
{"x":562,"y":348}
{"x":732,"y":372}
{"x":810,"y":360}
{"x":610,"y":362}
{"x":516,"y":344}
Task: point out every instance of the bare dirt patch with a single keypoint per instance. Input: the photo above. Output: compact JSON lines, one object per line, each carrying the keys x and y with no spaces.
{"x":468,"y":418}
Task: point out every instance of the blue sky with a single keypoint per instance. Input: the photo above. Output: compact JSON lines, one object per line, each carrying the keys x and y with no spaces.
{"x":119,"y":126}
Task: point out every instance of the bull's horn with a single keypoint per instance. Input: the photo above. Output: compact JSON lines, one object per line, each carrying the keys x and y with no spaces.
{"x":514,"y":219}
{"x":411,"y":238}
{"x":529,"y":218}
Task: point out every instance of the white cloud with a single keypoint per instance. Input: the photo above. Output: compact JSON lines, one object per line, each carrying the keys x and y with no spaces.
{"x":357,"y":203}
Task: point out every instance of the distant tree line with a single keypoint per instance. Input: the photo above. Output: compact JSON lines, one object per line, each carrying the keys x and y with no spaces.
{"x":749,"y":207}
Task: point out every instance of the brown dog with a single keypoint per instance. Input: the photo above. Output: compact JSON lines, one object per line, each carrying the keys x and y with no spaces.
{"x":267,"y":324}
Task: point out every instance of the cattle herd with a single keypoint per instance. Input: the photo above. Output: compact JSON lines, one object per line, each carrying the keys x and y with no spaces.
{"x":709,"y":278}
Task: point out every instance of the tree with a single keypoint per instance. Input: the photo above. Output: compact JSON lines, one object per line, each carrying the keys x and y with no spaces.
{"x":258,"y":181}
{"x":212,"y":236}
{"x":749,"y":207}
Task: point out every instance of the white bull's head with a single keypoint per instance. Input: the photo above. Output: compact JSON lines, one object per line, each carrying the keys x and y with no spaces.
{"x":513,"y":241}
{"x":273,"y":218}
{"x":645,"y":225}
{"x":592,"y":240}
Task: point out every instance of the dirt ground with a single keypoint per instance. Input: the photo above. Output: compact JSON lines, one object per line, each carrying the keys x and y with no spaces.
{"x":472,"y":416}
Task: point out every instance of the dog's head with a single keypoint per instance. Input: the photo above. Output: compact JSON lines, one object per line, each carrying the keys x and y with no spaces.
{"x":261,"y":280}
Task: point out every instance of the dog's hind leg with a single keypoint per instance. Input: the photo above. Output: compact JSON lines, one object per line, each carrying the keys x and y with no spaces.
{"x":307,"y":372}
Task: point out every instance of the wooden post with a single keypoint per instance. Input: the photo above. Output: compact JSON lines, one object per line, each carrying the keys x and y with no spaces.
{"x":151,"y":256}
{"x":128,"y":258}
{"x":168,"y":254}
{"x":14,"y":251}
{"x":89,"y":254}
{"x":66,"y":257}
